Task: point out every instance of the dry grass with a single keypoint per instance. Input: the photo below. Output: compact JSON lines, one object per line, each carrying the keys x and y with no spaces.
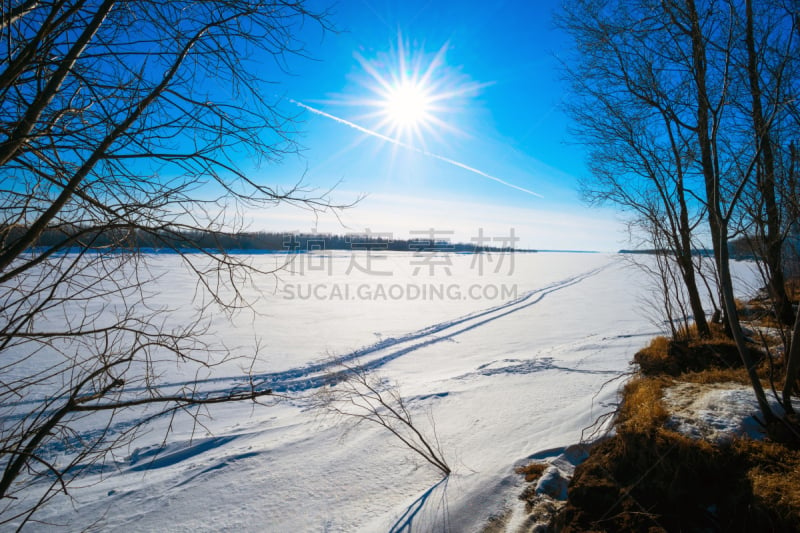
{"x":774,"y":475}
{"x":497,"y":523}
{"x":793,"y":289}
{"x":541,"y":509}
{"x":666,"y":357}
{"x":653,"y":356}
{"x":658,"y":347}
{"x":654,"y":481}
{"x":718,"y":375}
{"x":691,"y":334}
{"x":532,"y":471}
{"x":718,"y":336}
{"x":649,"y":478}
{"x":656,"y":358}
{"x":641,"y":409}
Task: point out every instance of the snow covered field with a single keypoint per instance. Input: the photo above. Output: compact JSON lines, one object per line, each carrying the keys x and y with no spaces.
{"x":511,"y":364}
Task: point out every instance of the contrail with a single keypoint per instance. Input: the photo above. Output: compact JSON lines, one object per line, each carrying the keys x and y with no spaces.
{"x":413,"y":148}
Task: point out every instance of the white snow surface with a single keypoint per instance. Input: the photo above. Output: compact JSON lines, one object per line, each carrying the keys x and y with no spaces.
{"x":716,"y":412}
{"x":505,"y":379}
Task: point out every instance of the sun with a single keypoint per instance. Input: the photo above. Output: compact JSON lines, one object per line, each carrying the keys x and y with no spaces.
{"x":408,"y":105}
{"x":415,"y":95}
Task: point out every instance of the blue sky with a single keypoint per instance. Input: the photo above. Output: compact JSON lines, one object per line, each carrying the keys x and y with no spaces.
{"x":491,"y":109}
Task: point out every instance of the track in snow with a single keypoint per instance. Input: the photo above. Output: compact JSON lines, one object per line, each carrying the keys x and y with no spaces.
{"x":315,"y":375}
{"x":374,"y":356}
{"x":389,"y":349}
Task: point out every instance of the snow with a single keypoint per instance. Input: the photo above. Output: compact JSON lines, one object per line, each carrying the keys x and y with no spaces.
{"x":504,"y":379}
{"x":556,"y":477}
{"x":716,"y":412}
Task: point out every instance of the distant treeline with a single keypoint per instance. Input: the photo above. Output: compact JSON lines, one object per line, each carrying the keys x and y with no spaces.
{"x":178,"y":240}
{"x":651,"y":251}
{"x":743,"y":248}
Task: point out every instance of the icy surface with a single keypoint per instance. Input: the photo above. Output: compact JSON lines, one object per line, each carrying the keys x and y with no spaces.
{"x":503,"y":379}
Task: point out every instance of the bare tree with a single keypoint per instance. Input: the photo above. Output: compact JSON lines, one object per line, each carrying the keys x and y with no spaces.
{"x":356,"y":395}
{"x":792,"y":350}
{"x":673,"y":98}
{"x":737,"y":139}
{"x":768,"y":97}
{"x":707,"y":37}
{"x":121,"y":119}
{"x":628,"y":109}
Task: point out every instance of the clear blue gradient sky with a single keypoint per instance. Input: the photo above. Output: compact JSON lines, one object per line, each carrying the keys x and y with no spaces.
{"x":492,"y":131}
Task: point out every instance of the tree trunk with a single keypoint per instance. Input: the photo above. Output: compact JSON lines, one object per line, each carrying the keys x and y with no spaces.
{"x":690,"y":281}
{"x":718,"y":224}
{"x":687,"y":265}
{"x":771,"y":232}
{"x":792,"y":366}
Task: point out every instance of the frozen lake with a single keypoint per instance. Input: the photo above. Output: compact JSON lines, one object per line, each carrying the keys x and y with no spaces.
{"x":511,"y":357}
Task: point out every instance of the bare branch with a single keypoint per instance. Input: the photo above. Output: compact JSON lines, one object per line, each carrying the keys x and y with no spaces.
{"x":358,"y":396}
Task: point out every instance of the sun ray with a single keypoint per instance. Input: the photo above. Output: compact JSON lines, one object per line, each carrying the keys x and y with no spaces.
{"x":413,"y":94}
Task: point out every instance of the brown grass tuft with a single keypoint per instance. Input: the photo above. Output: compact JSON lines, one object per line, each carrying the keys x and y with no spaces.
{"x":655,"y":481}
{"x":774,"y":475}
{"x":654,"y":358}
{"x":642,"y":409}
{"x":717,"y":375}
{"x":665,"y":357}
{"x":690,"y":334}
{"x":531,"y":471}
{"x":658,"y":347}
